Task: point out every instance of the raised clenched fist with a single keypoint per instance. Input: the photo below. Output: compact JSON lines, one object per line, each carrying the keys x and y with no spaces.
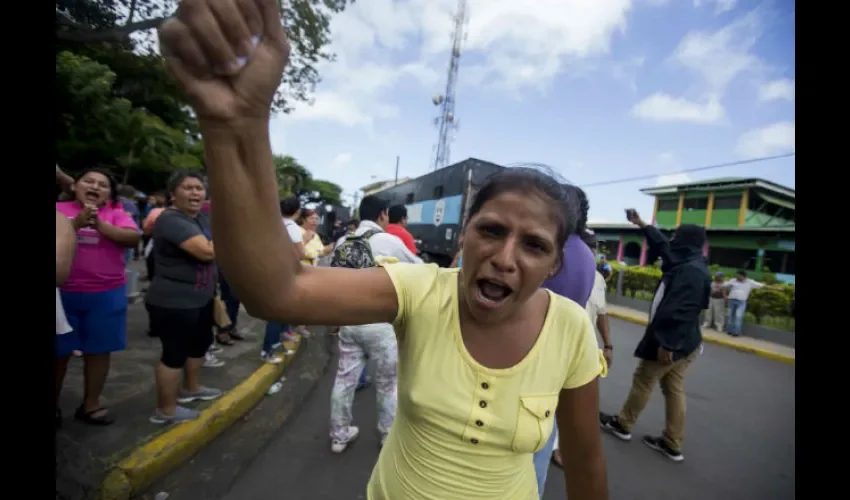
{"x":228,"y":55}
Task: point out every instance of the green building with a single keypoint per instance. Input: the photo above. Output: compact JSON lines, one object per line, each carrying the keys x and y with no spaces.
{"x":750,"y":224}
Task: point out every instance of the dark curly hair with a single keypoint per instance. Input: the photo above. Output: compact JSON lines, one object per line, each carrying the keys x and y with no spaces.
{"x":582,"y":209}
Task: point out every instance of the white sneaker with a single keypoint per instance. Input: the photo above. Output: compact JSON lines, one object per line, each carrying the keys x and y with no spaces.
{"x":340,"y":446}
{"x":211,"y":361}
{"x":270,"y":358}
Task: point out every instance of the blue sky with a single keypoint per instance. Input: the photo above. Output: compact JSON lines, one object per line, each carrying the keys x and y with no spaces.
{"x":596,"y":89}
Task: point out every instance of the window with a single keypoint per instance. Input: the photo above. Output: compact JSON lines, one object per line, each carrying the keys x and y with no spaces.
{"x":438,"y":192}
{"x":668,"y":205}
{"x":695,"y":204}
{"x":727,"y":202}
{"x":758,"y":204}
{"x":779,"y":262}
{"x":408,"y":199}
{"x":735,"y":258}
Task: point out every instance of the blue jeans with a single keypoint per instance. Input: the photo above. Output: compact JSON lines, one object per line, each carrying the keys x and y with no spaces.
{"x":735,"y":316}
{"x":541,"y":462}
{"x":272,"y":337}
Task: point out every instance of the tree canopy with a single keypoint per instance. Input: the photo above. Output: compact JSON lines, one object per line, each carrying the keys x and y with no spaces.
{"x":293,"y":179}
{"x":118,"y":106}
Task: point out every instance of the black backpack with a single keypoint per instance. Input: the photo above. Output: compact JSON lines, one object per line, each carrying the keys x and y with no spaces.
{"x":355,"y":252}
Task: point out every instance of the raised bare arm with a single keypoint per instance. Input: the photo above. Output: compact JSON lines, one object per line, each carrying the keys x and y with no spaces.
{"x":233,"y":106}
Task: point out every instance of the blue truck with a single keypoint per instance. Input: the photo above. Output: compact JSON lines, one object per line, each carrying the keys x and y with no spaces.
{"x":437,"y":204}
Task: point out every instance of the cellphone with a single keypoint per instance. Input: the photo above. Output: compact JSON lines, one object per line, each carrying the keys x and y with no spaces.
{"x":630,"y":212}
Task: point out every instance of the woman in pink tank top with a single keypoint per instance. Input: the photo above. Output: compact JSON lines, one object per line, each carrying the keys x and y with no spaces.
{"x":93,"y":295}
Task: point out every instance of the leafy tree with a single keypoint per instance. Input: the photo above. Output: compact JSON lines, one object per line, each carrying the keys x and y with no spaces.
{"x":290,"y":174}
{"x":94,"y":126}
{"x":293,"y":179}
{"x":81,"y":22}
{"x":321,"y":192}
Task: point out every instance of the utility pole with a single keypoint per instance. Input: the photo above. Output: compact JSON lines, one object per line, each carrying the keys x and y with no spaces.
{"x":397,"y":159}
{"x":355,"y":210}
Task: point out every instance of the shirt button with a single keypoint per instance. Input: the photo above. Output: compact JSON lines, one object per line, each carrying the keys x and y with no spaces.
{"x":485,"y":385}
{"x":479,"y":423}
{"x":473,"y":441}
{"x":547,"y":413}
{"x":483,"y":404}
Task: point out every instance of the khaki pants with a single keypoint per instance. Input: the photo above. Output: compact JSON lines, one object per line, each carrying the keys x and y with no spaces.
{"x":672,"y":380}
{"x":715,"y":314}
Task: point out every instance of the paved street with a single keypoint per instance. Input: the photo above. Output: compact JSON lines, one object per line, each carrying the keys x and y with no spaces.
{"x":739,"y":445}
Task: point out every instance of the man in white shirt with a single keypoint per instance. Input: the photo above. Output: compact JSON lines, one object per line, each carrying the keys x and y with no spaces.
{"x":376,"y":341}
{"x":737,"y":292}
{"x":383,"y":243}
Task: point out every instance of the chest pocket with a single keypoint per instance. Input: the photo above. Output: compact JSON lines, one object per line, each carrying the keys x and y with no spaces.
{"x":534,"y":422}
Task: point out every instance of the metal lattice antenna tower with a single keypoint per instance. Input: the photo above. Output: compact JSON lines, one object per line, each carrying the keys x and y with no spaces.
{"x":446,"y":122}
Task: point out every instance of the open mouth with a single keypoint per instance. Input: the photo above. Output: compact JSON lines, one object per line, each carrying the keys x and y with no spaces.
{"x":194,"y":201}
{"x":492,"y":293}
{"x":92,"y":195}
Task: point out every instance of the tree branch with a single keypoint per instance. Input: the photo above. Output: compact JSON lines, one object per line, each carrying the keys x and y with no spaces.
{"x":71,"y":31}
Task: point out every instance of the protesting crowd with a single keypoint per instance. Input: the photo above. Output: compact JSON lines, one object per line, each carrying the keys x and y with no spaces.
{"x":485,"y":372}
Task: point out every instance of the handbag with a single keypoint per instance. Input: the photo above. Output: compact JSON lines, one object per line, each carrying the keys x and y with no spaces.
{"x":220,"y":317}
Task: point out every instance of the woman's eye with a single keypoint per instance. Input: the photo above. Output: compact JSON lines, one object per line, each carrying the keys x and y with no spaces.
{"x":537,"y":246}
{"x":490,"y":230}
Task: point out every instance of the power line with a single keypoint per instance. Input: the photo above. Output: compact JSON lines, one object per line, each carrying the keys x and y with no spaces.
{"x":689,"y":170}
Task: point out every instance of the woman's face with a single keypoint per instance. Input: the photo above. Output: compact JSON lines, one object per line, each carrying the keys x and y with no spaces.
{"x":509,"y":248}
{"x":189,"y":195}
{"x":92,"y":188}
{"x":312,"y":222}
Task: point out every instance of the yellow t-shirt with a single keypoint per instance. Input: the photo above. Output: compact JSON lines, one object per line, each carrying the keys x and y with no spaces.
{"x":312,"y":250}
{"x":463,"y":431}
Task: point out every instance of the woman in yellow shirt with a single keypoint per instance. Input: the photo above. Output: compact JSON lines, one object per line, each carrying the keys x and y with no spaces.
{"x":486,"y":357}
{"x":314,"y":249}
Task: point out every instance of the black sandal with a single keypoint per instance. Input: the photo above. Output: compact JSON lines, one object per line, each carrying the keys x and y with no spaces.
{"x":88,"y":418}
{"x":236,"y":335}
{"x":228,"y":342}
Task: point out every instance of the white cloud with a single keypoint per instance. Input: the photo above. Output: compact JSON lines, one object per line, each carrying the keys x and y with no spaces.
{"x":672,"y":179}
{"x":715,"y":59}
{"x":514,"y":46}
{"x":720,"y":6}
{"x":342,"y":159}
{"x":777,"y":90}
{"x":718,"y":57}
{"x":774,"y":139}
{"x":660,"y":107}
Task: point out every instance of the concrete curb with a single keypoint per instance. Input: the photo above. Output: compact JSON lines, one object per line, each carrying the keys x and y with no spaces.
{"x":758,"y":351}
{"x":158,"y":456}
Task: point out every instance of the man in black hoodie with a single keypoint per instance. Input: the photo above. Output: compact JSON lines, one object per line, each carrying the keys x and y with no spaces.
{"x":672,"y":339}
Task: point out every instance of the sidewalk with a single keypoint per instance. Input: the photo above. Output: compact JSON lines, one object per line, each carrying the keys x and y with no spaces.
{"x":86,"y":455}
{"x":754,"y":346}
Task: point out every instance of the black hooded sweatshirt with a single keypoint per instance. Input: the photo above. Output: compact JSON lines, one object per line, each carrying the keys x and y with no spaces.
{"x":685,"y":288}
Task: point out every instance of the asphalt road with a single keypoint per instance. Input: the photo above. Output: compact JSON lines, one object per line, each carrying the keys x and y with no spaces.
{"x":739,"y":439}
